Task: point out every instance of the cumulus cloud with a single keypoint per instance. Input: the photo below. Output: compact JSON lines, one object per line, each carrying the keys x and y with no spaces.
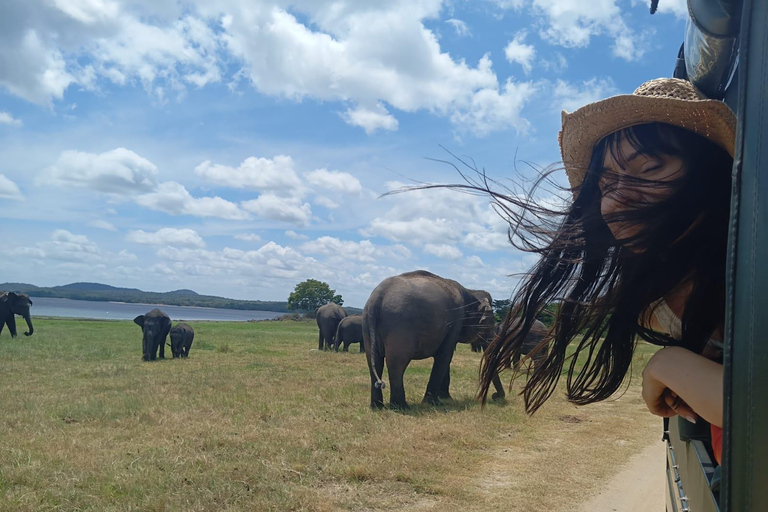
{"x":362,"y":54}
{"x":363,"y":251}
{"x":462,"y":30}
{"x":248,"y":237}
{"x":6,"y":118}
{"x":276,"y":174}
{"x":521,"y":53}
{"x":443,"y":251}
{"x":9,"y":190}
{"x":370,"y":119}
{"x":491,"y":110}
{"x":568,"y":96}
{"x":102,"y":224}
{"x":41,"y":45}
{"x":573,"y":23}
{"x":327,"y":202}
{"x":73,"y":251}
{"x":174,"y":237}
{"x":334,"y":180}
{"x":119,"y":171}
{"x":283,"y":209}
{"x":173,"y":198}
{"x":296,"y":236}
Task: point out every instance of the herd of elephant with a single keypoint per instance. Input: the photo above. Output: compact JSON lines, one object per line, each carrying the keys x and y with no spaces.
{"x":414,"y":316}
{"x":411,"y":316}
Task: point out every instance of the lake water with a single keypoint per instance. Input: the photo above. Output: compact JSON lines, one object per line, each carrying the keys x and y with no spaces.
{"x":46,"y":306}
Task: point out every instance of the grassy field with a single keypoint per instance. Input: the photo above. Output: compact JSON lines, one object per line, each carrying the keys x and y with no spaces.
{"x":255,"y":421}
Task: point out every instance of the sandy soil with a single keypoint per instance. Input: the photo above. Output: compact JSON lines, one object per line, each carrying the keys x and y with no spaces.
{"x":638,"y":487}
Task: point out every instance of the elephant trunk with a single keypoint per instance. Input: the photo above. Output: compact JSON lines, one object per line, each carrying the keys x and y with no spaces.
{"x":28,"y":318}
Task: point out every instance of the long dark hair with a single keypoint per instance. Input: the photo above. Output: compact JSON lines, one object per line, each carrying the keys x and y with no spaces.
{"x":603,"y":286}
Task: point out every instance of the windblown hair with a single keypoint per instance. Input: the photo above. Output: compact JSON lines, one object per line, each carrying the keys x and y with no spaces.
{"x":606,"y":288}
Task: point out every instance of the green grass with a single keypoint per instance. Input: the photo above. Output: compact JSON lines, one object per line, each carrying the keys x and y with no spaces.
{"x":256,"y":420}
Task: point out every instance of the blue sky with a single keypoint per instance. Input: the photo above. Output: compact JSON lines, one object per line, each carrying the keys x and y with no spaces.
{"x":239,"y":149}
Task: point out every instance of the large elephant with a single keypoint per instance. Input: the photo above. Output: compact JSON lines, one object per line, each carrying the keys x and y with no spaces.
{"x":328,"y":318}
{"x":182,"y":336}
{"x":155,"y":326}
{"x":12,"y":304}
{"x":417,"y":315}
{"x":535,"y":335}
{"x":350,"y":331}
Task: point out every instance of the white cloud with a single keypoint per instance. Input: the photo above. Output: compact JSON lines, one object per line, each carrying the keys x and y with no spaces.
{"x":6,"y":118}
{"x":567,"y":96}
{"x":9,"y":190}
{"x":76,"y":252}
{"x":362,"y":54}
{"x":462,"y":30}
{"x":276,"y":174}
{"x":416,"y":231}
{"x":363,"y":251}
{"x":41,"y":44}
{"x":334,"y":180}
{"x":490,"y":110}
{"x":102,"y":224}
{"x":173,"y":198}
{"x":282,"y":209}
{"x":296,"y":236}
{"x":248,"y":237}
{"x":518,"y":51}
{"x":173,"y":237}
{"x":443,"y":251}
{"x":119,"y":171}
{"x":370,"y":119}
{"x":557,"y":63}
{"x":573,"y":23}
{"x":327,"y":202}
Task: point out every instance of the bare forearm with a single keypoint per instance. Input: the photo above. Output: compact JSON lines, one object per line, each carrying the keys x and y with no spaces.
{"x":696,"y":379}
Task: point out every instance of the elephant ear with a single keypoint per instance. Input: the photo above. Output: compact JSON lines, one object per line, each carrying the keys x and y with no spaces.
{"x":139,"y":320}
{"x":166,"y":326}
{"x":5,"y":297}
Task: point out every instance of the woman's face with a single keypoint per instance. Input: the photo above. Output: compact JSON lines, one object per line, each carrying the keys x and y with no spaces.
{"x":636,"y":180}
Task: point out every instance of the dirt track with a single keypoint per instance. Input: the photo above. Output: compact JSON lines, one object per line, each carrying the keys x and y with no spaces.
{"x":638,"y":487}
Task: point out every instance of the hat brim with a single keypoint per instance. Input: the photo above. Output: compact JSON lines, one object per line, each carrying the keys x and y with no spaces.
{"x":585,"y":127}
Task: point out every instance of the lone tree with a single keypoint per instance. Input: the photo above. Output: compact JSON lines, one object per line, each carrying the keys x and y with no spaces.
{"x":311,"y":294}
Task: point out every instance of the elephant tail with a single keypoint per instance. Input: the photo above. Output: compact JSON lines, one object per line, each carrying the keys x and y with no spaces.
{"x":377,"y":354}
{"x":336,"y":338}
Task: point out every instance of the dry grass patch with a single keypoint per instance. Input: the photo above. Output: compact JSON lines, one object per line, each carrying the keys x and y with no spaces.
{"x":254,"y":420}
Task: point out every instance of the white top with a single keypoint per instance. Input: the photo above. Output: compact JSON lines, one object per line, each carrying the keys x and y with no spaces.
{"x":673,"y":325}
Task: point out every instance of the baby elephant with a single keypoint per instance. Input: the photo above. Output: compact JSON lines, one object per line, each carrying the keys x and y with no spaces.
{"x":181,"y":339}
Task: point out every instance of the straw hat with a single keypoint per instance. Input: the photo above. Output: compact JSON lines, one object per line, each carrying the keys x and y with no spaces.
{"x":664,"y":100}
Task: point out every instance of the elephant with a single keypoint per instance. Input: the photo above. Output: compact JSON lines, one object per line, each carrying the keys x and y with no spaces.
{"x":12,"y":304}
{"x":155,"y":326}
{"x":350,"y":331}
{"x":417,"y":315}
{"x":328,"y":318}
{"x":535,"y":335}
{"x":181,"y":339}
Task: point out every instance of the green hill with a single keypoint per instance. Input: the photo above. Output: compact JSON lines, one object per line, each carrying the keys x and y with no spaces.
{"x":106,"y":293}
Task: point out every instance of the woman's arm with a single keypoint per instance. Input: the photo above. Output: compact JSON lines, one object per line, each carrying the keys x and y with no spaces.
{"x":694,"y":378}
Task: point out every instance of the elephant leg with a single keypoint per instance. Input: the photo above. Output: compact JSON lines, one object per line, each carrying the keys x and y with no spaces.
{"x":500,"y":393}
{"x":440,"y":375}
{"x":516,"y":360}
{"x":377,"y":397}
{"x":162,"y":348}
{"x":362,"y":346}
{"x":346,"y":346}
{"x":396,"y":366}
{"x":11,"y":320}
{"x":320,"y":341}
